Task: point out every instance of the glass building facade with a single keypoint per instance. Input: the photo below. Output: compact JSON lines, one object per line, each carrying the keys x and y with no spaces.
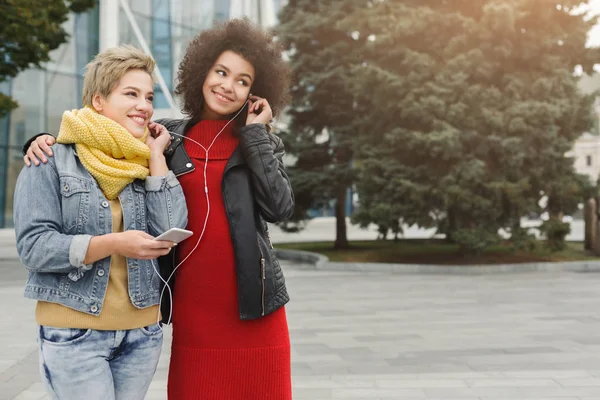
{"x":166,"y":26}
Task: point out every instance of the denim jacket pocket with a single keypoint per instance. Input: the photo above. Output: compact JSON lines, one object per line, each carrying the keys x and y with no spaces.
{"x":75,"y":194}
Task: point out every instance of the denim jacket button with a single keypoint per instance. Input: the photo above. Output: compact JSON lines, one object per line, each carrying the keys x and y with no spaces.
{"x":66,"y":188}
{"x":94,"y":308}
{"x":188,"y":165}
{"x":105,"y":204}
{"x":100,"y":272}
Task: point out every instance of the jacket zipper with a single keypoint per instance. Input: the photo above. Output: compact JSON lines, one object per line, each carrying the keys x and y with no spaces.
{"x":262,"y":278}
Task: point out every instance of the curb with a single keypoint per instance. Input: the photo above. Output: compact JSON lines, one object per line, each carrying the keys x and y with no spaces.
{"x":315,"y":260}
{"x":321,"y":262}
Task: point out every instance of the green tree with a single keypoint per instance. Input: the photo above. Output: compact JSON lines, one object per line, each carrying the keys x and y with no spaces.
{"x":321,"y":131}
{"x":476,"y":105}
{"x":29,"y":31}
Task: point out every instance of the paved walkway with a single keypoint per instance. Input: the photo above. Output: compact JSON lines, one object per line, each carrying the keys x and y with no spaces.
{"x":376,"y":336}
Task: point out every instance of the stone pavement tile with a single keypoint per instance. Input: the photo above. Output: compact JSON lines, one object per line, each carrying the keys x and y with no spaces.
{"x":311,"y":393}
{"x":157,"y":390}
{"x":579,"y":382}
{"x":37,"y":391}
{"x":302,"y":372}
{"x":462,"y":398}
{"x":5,"y":365}
{"x":552,"y":374}
{"x":418,"y":367}
{"x":313,"y":348}
{"x":22,"y":374}
{"x":322,"y":382}
{"x":334,"y":382}
{"x":359,"y":393}
{"x":588,"y":364}
{"x":433,"y":376}
{"x":386,"y":338}
{"x":548,"y":359}
{"x":535,"y":398}
{"x":420,"y":383}
{"x":362,"y":354}
{"x":588,"y":340}
{"x":515,"y":393}
{"x":156,"y":395}
{"x":518,"y":367}
{"x":515,"y":383}
{"x":319,"y":358}
{"x":330,"y":369}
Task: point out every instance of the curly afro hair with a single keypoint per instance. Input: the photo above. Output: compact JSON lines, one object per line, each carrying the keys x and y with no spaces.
{"x":272,"y":73}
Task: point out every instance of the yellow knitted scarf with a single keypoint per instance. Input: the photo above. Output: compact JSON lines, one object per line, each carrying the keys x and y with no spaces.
{"x":106,"y":149}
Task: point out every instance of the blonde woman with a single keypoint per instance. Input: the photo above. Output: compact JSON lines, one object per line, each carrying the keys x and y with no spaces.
{"x":85,"y":223}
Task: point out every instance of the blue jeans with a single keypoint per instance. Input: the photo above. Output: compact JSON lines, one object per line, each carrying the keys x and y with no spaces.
{"x":89,"y":364}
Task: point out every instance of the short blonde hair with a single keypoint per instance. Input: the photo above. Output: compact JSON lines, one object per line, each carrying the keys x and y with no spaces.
{"x":105,"y":71}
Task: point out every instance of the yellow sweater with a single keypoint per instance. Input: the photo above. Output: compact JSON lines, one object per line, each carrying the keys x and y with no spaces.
{"x":118,"y":313}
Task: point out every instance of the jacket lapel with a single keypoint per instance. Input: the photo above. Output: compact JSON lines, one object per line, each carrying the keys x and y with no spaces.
{"x":237,"y":158}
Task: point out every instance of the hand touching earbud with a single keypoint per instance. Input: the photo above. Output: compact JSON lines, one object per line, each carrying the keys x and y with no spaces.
{"x":158,"y":138}
{"x":259,"y":111}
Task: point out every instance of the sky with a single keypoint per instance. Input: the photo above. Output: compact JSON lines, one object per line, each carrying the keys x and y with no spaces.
{"x":594,"y":39}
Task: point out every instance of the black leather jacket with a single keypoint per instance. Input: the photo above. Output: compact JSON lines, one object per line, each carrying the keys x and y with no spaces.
{"x":255,"y":189}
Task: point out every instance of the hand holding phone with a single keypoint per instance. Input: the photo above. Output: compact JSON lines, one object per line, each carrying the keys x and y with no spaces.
{"x":175,"y":235}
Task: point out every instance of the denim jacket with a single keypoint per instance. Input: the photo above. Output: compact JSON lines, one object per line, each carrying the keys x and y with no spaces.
{"x":59,"y":206}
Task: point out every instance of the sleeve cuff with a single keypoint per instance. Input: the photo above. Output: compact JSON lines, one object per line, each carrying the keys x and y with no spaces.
{"x":31,"y":140}
{"x":78,"y":250}
{"x":157,"y":183}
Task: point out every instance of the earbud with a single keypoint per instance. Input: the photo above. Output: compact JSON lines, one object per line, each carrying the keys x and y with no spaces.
{"x":258,"y":110}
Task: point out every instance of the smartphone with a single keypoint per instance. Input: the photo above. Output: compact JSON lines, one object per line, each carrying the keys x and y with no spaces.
{"x":174,"y":235}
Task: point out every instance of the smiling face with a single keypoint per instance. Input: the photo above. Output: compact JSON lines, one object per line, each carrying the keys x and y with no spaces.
{"x":130,"y":102}
{"x":227,"y":86}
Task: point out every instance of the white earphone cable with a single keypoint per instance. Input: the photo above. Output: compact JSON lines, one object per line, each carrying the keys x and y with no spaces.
{"x":166,"y":282}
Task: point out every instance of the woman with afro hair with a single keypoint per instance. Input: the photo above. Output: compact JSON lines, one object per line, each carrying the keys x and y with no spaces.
{"x":230,"y":332}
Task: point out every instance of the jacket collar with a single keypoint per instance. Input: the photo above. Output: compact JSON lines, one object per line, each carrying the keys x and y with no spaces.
{"x":181,"y":126}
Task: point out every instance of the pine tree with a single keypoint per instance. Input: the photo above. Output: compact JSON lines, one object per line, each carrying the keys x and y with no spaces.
{"x":467,"y":109}
{"x":321,"y":131}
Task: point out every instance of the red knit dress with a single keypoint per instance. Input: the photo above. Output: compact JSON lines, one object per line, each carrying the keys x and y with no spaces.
{"x":215,"y":355}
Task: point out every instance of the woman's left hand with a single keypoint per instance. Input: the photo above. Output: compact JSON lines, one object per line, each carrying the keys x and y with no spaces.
{"x":259,"y":111}
{"x":158,"y":138}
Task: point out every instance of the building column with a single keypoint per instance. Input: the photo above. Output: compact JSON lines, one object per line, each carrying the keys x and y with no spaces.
{"x":261,"y":12}
{"x":5,"y":87}
{"x":109,"y":24}
{"x":267,"y":13}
